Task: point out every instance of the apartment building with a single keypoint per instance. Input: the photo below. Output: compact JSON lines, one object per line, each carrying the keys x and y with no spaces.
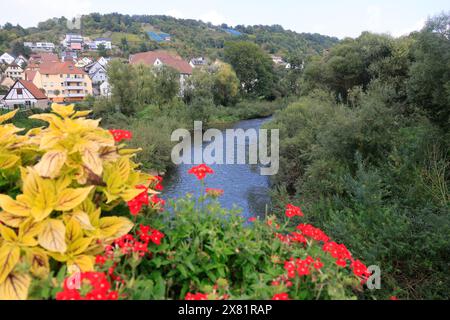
{"x":63,"y":81}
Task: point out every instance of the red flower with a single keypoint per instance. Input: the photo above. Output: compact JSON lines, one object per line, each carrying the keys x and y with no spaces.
{"x":196,"y":296}
{"x":158,"y":203}
{"x":120,"y":135}
{"x":97,"y":284}
{"x":393,"y":298}
{"x":292,"y":211}
{"x":135,"y":205}
{"x":360,"y":269}
{"x":158,"y":186}
{"x":252,"y":219}
{"x":318,"y":264}
{"x":201,"y":171}
{"x":281,"y":296}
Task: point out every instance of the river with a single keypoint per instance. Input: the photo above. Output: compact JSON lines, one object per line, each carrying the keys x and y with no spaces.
{"x":243,"y":185}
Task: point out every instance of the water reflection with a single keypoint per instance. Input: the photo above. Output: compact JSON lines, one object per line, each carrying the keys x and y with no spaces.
{"x":243,"y":185}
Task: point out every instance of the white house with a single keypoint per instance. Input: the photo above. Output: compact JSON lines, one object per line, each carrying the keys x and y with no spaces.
{"x":107,"y":42}
{"x":83,"y":62}
{"x":99,"y":76}
{"x":15,"y":72}
{"x":26,"y":94}
{"x":105,"y":89}
{"x":7,"y":58}
{"x":103,"y":61}
{"x":21,"y":61}
{"x":40,"y":46}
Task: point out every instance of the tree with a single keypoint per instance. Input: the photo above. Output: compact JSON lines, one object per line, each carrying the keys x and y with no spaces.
{"x":102,"y":52}
{"x":225,"y":85}
{"x":252,"y":65}
{"x":429,"y":83}
{"x":19,"y":49}
{"x":121,"y":78}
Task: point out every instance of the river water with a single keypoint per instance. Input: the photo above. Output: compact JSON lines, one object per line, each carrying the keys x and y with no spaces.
{"x":243,"y":185}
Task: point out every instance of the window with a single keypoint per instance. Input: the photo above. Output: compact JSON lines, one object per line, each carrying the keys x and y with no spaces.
{"x":19,"y":91}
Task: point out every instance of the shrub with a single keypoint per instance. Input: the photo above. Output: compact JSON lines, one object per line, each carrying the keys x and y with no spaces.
{"x":60,"y":179}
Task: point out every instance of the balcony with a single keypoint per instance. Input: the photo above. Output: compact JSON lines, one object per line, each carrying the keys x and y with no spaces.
{"x":78,"y":80}
{"x":73,"y":87}
{"x":75,"y":95}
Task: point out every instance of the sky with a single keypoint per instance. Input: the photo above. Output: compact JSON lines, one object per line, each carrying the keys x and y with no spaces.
{"x":340,"y":18}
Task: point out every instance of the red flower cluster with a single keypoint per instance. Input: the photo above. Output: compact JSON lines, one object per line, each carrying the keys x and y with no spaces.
{"x":142,"y":199}
{"x":252,"y":219}
{"x":147,"y":234}
{"x":313,"y":233}
{"x":120,"y":135}
{"x":339,"y":252}
{"x":214,"y":192}
{"x":292,"y":211}
{"x":157,"y":183}
{"x":302,"y":267}
{"x":95,"y":284}
{"x":281,"y":296}
{"x":196,"y":296}
{"x":282,"y":280}
{"x":360,"y":269}
{"x":201,"y":171}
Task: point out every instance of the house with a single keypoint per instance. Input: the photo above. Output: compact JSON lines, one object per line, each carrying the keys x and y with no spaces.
{"x":73,"y":42}
{"x":198,"y":62}
{"x":69,"y":55}
{"x":81,"y":63}
{"x":7,"y":82}
{"x":7,"y":58}
{"x":21,"y":61}
{"x":107,"y":42}
{"x":105,"y":89}
{"x":15,"y":72}
{"x":103,"y":61}
{"x":38,"y":58}
{"x":40,"y":46}
{"x":97,"y":73}
{"x":164,"y":58}
{"x":63,"y":81}
{"x":26,"y":94}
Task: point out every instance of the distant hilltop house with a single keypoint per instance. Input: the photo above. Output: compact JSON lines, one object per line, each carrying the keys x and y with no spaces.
{"x":25,"y":94}
{"x":159,"y":37}
{"x":232,"y":32}
{"x":106,"y":42}
{"x":40,"y":46}
{"x":73,"y":42}
{"x":63,"y":81}
{"x":7,"y":58}
{"x":69,"y":55}
{"x":163,"y":58}
{"x":198,"y":62}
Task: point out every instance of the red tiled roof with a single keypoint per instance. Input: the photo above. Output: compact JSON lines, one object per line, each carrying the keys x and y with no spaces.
{"x":165,"y":57}
{"x":30,"y":74}
{"x":44,"y":57}
{"x":38,"y":94}
{"x":67,"y":67}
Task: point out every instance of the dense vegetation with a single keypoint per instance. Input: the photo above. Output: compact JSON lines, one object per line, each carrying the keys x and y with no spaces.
{"x":189,"y":37}
{"x":366,"y":149}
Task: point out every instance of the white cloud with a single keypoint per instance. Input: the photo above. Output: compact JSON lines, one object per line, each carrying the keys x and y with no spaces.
{"x":416,"y":27}
{"x":374,"y":20}
{"x":176,"y":14}
{"x":214,"y":17}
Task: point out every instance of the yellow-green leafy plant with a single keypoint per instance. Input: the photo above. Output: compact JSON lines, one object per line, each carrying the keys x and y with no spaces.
{"x":70,"y":173}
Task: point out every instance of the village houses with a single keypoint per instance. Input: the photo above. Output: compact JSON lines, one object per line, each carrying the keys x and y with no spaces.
{"x":163,"y":58}
{"x":63,"y":81}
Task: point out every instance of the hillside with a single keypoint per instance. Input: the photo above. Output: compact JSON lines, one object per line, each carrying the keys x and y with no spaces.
{"x":188,"y":37}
